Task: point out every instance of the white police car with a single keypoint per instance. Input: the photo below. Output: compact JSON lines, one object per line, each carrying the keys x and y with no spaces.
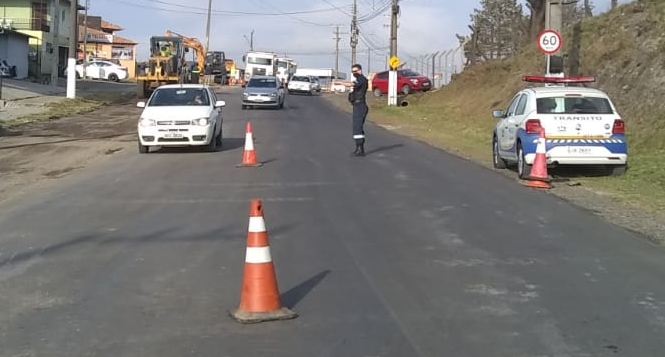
{"x":582,"y":127}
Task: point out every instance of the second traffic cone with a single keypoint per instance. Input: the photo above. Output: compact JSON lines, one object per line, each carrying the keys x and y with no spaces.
{"x":538,"y":178}
{"x":249,"y":155}
{"x":259,"y":298}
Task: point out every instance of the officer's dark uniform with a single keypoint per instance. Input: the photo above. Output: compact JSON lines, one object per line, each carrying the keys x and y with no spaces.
{"x":360,"y":110}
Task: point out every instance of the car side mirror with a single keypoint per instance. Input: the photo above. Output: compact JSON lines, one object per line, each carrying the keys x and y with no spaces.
{"x":220,"y":103}
{"x":499,"y":114}
{"x":140,"y":104}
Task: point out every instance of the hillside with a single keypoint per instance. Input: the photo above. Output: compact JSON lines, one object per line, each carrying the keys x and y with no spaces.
{"x":625,"y":51}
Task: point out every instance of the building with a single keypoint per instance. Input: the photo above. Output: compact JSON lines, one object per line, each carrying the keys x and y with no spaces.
{"x":48,"y":23}
{"x":98,"y":39}
{"x":14,"y":48}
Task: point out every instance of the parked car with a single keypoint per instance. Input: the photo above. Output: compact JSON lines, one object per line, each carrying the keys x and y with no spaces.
{"x":408,"y":81}
{"x":263,"y":91}
{"x":301,"y":84}
{"x":581,"y":125}
{"x":7,"y":70}
{"x":181,"y":115}
{"x":102,"y":69}
{"x":316,"y":83}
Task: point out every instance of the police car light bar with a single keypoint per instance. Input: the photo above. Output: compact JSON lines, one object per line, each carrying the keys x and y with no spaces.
{"x":545,"y":79}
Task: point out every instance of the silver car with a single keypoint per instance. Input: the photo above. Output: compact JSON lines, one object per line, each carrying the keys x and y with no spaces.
{"x":263,"y":91}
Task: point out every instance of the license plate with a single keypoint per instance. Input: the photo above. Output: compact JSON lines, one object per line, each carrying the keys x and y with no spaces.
{"x":173,"y":136}
{"x":579,"y":150}
{"x":258,"y":99}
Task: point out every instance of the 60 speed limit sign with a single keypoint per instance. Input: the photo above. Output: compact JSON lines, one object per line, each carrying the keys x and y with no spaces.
{"x":549,"y":42}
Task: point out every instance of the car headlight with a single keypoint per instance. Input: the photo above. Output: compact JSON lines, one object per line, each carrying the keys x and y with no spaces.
{"x":147,"y":122}
{"x":244,"y":94}
{"x":273,"y":94}
{"x":200,"y":121}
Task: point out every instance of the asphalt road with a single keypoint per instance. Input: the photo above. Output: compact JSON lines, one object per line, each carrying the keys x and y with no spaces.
{"x":406,"y":252}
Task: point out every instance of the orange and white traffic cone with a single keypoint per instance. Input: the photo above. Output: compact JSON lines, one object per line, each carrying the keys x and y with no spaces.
{"x":249,"y":155}
{"x":538,"y":178}
{"x":259,"y":299}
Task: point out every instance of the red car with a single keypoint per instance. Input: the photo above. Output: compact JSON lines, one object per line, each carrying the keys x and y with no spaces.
{"x":408,"y":81}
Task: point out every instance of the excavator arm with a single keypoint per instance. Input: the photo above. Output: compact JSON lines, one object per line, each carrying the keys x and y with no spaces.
{"x":193,"y":43}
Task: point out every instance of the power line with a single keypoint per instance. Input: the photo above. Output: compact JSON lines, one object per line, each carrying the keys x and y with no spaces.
{"x":202,"y":11}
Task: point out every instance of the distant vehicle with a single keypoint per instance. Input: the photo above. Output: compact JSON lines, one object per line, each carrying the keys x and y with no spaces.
{"x":316,"y":84}
{"x":99,"y":69}
{"x":582,"y":127}
{"x":7,"y":70}
{"x":260,"y":64}
{"x":263,"y":91}
{"x":301,"y":84}
{"x":286,"y":67}
{"x":408,"y":81}
{"x":216,"y":61}
{"x":181,"y":115}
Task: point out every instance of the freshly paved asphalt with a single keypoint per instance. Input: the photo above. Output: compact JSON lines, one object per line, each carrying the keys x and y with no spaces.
{"x":406,"y":252}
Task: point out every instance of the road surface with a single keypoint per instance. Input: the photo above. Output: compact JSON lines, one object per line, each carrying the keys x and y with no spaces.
{"x":408,"y":251}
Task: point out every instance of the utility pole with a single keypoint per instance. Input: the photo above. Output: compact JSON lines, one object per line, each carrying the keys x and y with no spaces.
{"x":73,"y":45}
{"x":337,"y":38}
{"x":208,"y":27}
{"x":392,"y":75}
{"x":85,"y":37}
{"x":251,"y":41}
{"x":553,"y":21}
{"x":55,"y":54}
{"x":369,"y":55}
{"x":354,"y":32}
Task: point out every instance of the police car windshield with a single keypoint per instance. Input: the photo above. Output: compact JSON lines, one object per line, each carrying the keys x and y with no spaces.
{"x":262,"y":83}
{"x":573,"y":105}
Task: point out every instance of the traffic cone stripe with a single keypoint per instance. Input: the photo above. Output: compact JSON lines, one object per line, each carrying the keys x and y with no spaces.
{"x":249,"y":142}
{"x":258,"y":255}
{"x":257,"y":225}
{"x":540,"y":148}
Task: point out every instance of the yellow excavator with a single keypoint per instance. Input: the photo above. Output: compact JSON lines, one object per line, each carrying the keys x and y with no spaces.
{"x":167,"y":63}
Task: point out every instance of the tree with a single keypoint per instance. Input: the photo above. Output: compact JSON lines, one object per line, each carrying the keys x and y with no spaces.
{"x":497,"y":30}
{"x":615,"y":3}
{"x":575,"y":12}
{"x":536,"y":16}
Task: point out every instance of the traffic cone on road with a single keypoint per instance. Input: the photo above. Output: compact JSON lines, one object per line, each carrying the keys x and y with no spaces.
{"x":538,"y":178}
{"x":259,"y":298}
{"x":249,"y":155}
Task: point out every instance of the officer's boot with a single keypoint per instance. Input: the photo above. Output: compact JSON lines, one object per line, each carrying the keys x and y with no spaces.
{"x":360,"y":149}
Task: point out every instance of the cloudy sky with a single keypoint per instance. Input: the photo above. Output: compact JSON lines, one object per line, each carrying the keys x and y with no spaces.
{"x":302,"y":29}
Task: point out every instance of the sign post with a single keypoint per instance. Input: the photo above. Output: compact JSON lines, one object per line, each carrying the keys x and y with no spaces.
{"x":549,"y":43}
{"x":393,"y":63}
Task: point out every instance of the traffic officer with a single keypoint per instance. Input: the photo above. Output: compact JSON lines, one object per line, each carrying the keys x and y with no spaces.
{"x":360,"y":108}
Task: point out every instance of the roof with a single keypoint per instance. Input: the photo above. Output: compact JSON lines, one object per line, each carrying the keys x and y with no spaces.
{"x":262,"y":76}
{"x":17,"y":33}
{"x":562,"y":89}
{"x":184,"y":85}
{"x":110,"y":26}
{"x":116,"y":39}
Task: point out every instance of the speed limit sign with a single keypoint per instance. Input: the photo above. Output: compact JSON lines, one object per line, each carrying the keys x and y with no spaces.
{"x":549,"y":42}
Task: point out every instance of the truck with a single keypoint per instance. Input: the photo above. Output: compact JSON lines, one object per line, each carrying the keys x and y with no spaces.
{"x":286,"y":68}
{"x":216,"y":60}
{"x":167,"y":63}
{"x":260,"y":63}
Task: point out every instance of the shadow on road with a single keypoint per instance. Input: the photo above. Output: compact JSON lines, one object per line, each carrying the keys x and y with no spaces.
{"x":294,"y":295}
{"x":383,"y":148}
{"x":59,"y":141}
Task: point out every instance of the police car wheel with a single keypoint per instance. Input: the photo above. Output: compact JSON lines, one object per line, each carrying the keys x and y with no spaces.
{"x":498,"y":162}
{"x":523,"y":169}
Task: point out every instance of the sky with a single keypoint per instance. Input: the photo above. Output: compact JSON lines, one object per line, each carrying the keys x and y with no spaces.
{"x":301,"y":29}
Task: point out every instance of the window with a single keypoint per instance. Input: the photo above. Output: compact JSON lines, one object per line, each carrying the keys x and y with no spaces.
{"x":39,"y":14}
{"x":408,"y":73}
{"x":179,"y":97}
{"x":513,"y":104}
{"x":259,"y":60}
{"x":382,"y":75}
{"x":300,"y":79}
{"x":521,"y":105}
{"x":262,"y":83}
{"x":573,"y":105}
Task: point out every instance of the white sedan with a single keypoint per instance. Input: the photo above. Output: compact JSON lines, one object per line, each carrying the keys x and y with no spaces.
{"x":99,"y":69}
{"x":181,"y":115}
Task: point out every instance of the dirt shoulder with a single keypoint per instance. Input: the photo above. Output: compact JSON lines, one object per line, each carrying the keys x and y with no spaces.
{"x":36,"y":152}
{"x":632,"y":217}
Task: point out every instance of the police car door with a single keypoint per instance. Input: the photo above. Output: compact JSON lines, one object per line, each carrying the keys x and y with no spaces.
{"x":521,"y":113}
{"x":506,"y":123}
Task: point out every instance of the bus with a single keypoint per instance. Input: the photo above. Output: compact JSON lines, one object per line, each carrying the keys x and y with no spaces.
{"x":286,"y":67}
{"x":260,"y":63}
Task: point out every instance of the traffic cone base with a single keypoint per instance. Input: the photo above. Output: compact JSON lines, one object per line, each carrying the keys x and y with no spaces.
{"x":537,"y":184}
{"x":259,"y":298}
{"x":249,"y":154}
{"x":246,"y":317}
